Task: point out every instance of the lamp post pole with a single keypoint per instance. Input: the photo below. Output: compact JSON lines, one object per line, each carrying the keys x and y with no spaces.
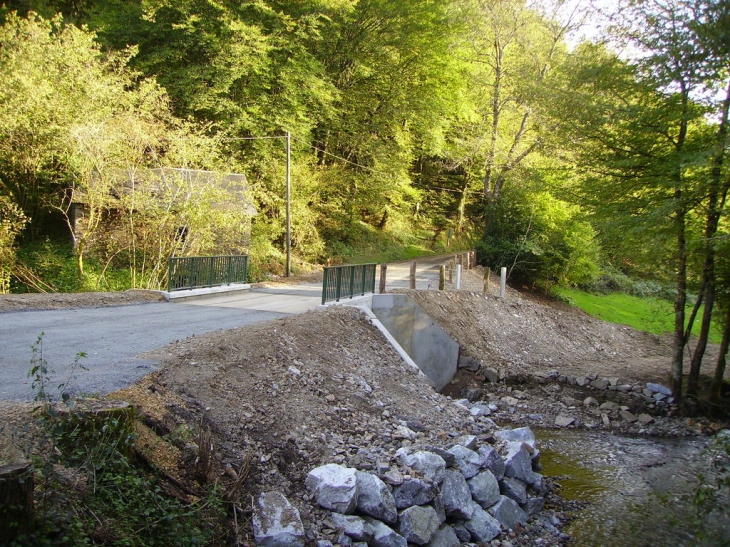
{"x":288,"y":204}
{"x":286,"y":136}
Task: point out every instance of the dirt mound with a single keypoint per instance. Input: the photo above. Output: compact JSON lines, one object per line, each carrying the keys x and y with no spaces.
{"x":56,"y":301}
{"x":516,"y":335}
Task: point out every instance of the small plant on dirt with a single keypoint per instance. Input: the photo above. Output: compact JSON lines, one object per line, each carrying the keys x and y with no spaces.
{"x":91,"y":489}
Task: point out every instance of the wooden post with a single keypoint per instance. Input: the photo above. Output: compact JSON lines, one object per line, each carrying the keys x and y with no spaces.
{"x":16,"y":501}
{"x":413,"y":275}
{"x":442,"y":277}
{"x":383,"y":271}
{"x":487,"y":273}
{"x":452,"y":264}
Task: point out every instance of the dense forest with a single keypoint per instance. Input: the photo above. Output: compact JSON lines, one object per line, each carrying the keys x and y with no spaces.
{"x":416,"y":126}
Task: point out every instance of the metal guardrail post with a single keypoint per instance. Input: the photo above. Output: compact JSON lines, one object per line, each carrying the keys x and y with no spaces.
{"x":324,"y":286}
{"x":338,"y":284}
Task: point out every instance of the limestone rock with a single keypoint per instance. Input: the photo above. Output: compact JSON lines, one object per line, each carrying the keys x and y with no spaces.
{"x":418,"y":524}
{"x":523,"y":434}
{"x":447,"y":456}
{"x":508,"y":513}
{"x":414,"y":492}
{"x":628,"y":416}
{"x":600,"y":383}
{"x":276,"y":522}
{"x":514,"y":489}
{"x":445,"y":537}
{"x":456,"y":495}
{"x":461,"y":532}
{"x":610,"y":406}
{"x":384,"y":535}
{"x":491,"y":460}
{"x":482,"y":526}
{"x":534,"y":505}
{"x":354,"y":527}
{"x":490,"y":375}
{"x":478,"y":410}
{"x":469,"y":363}
{"x":563,"y":421}
{"x":334,"y":487}
{"x":590,"y":401}
{"x":484,"y":488}
{"x":431,"y":465}
{"x":438,"y":506}
{"x":518,"y":463}
{"x":468,"y":461}
{"x":645,"y":419}
{"x":658,"y":388}
{"x":374,"y":498}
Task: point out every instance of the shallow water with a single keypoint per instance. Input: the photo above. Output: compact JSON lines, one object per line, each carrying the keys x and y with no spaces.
{"x":638,"y":489}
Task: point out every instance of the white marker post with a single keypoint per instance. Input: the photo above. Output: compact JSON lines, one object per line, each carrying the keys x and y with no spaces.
{"x":458,"y":276}
{"x":503,"y":282}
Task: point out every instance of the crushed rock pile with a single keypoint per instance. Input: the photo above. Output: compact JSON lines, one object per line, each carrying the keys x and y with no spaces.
{"x":290,"y":395}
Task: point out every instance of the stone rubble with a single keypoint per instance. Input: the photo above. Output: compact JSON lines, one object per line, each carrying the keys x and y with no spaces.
{"x":487,"y":489}
{"x":586,"y":401}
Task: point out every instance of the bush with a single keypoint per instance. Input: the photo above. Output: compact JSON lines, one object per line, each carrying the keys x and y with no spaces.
{"x":540,"y":239}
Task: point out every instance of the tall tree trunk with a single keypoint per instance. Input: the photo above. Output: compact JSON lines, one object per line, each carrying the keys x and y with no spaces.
{"x":462,"y":204}
{"x":490,"y":166}
{"x":679,"y":306}
{"x":715,"y":202}
{"x":716,"y":390}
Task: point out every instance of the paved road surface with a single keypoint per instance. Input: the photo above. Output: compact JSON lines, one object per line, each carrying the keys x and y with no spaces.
{"x":112,"y":337}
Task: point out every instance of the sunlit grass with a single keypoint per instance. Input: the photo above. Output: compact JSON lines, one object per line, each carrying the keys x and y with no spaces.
{"x":648,"y":314}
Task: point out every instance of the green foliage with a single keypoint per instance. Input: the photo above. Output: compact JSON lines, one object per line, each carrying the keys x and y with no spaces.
{"x":612,"y":280}
{"x":541,"y":240}
{"x":50,"y":265}
{"x":12,"y":221}
{"x":121,"y":503}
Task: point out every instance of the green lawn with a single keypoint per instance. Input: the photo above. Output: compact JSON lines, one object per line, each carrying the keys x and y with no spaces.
{"x":647,"y":314}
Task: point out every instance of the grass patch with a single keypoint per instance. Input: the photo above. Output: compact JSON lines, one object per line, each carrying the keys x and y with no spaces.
{"x":648,"y":314}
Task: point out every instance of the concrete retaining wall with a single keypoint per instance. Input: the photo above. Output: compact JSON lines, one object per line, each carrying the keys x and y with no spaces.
{"x":430,"y":347}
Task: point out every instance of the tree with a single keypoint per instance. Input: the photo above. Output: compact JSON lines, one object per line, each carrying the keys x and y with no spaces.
{"x":647,"y":154}
{"x":12,"y":221}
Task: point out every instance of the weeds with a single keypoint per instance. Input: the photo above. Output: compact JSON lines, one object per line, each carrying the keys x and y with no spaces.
{"x":92,"y":490}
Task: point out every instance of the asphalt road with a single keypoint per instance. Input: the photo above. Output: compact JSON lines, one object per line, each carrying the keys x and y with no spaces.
{"x":113,"y":337}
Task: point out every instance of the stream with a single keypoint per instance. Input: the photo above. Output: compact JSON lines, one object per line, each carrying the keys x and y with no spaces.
{"x":638,"y":489}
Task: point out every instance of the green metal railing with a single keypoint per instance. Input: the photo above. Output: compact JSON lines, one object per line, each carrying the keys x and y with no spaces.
{"x":196,"y":272}
{"x":347,"y":281}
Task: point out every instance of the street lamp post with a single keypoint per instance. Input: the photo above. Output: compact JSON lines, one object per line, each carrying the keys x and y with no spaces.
{"x":286,"y":136}
{"x":288,"y":204}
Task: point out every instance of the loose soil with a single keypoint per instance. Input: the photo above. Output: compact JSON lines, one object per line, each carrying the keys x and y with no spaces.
{"x":281,"y":397}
